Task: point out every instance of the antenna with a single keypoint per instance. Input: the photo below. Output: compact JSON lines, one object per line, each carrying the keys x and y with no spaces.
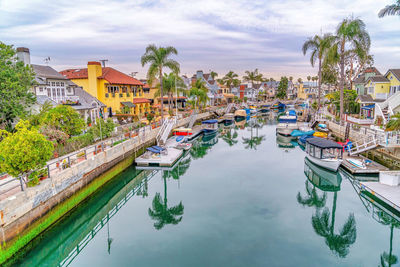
{"x":47,"y":60}
{"x":103,"y":62}
{"x":133,"y":74}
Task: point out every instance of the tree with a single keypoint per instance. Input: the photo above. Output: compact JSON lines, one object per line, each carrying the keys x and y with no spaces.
{"x":390,"y":10}
{"x":299,"y":80}
{"x":394,"y":123}
{"x":16,"y":79}
{"x":351,"y":39}
{"x":161,"y":213}
{"x":282,"y":87}
{"x":213,"y":74}
{"x":171,"y":83}
{"x":252,"y":76}
{"x":308,"y":78}
{"x":158,"y":58}
{"x":199,"y":92}
{"x":24,"y":150}
{"x":230,"y":79}
{"x":329,"y":74}
{"x":64,"y":118}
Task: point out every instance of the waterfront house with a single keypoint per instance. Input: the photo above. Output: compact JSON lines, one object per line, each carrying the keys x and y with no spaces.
{"x":55,"y":89}
{"x":214,"y":91}
{"x":359,"y":82}
{"x":378,"y":87}
{"x":120,"y":92}
{"x":393,"y":75}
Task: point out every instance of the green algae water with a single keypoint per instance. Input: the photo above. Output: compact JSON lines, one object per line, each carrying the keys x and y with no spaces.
{"x":241,"y":198}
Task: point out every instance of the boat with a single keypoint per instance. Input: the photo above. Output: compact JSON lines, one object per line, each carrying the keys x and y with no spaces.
{"x":302,"y":140}
{"x":357,"y":163}
{"x":209,"y":126}
{"x":182,"y":131}
{"x":229,"y":117}
{"x":278,"y":105}
{"x":320,"y":134}
{"x":322,"y":128}
{"x":322,"y":178}
{"x":179,"y":142}
{"x":264,"y":109}
{"x":287,"y":123}
{"x":324,"y":152}
{"x":240,"y":114}
{"x":298,"y":133}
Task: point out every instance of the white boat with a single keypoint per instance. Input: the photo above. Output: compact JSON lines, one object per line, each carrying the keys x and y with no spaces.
{"x":287,"y":123}
{"x":357,"y":163}
{"x":324,"y":152}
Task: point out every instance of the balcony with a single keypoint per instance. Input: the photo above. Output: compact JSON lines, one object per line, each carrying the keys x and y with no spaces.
{"x":359,"y":121}
{"x":67,"y":100}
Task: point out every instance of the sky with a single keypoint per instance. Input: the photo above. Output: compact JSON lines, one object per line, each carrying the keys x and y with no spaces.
{"x":218,"y":35}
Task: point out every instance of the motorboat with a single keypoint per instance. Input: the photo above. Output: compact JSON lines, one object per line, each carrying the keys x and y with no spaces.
{"x":278,"y":105}
{"x":182,"y":131}
{"x":209,"y":126}
{"x":322,"y":128}
{"x":229,"y":117}
{"x":360,"y":164}
{"x":287,"y":123}
{"x":324,"y":152}
{"x":322,"y":178}
{"x":240,"y":114}
{"x":179,"y":142}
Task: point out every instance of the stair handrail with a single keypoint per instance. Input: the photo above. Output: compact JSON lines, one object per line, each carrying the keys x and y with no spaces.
{"x":379,"y":108}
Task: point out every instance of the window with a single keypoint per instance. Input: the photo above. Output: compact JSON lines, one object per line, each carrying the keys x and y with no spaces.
{"x":113,"y":89}
{"x":58,"y":92}
{"x":48,"y":92}
{"x":57,"y":83}
{"x":53,"y":84}
{"x":61,"y":83}
{"x":40,"y":89}
{"x":124,"y":89}
{"x":62,"y":91}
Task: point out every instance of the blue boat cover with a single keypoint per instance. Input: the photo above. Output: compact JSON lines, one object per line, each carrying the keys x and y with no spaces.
{"x":321,"y":125}
{"x":152,"y":149}
{"x":303,"y":138}
{"x":292,"y":112}
{"x":179,"y":138}
{"x":297,"y":133}
{"x":209,"y":122}
{"x":158,"y":148}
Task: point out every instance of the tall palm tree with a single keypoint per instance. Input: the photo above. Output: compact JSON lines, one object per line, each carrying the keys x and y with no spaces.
{"x":351,"y":38}
{"x":161,"y":213}
{"x":230,"y":79}
{"x":308,"y":78}
{"x":325,"y":227}
{"x":158,"y":58}
{"x":319,"y":46}
{"x":312,"y":199}
{"x":213,"y":74}
{"x":252,"y":76}
{"x":171,"y":83}
{"x":299,"y":80}
{"x":390,"y":10}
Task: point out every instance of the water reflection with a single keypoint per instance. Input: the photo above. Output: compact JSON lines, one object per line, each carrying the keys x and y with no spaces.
{"x":253,"y":141}
{"x":286,"y":143}
{"x":229,"y":135}
{"x":323,"y":222}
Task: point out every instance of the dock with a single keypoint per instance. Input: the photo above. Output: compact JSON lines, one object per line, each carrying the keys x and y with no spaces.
{"x":388,"y":194}
{"x":167,"y":159}
{"x":372,"y":168}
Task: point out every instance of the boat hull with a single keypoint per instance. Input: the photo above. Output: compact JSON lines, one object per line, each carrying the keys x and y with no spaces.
{"x":286,"y":128}
{"x":330,"y":164}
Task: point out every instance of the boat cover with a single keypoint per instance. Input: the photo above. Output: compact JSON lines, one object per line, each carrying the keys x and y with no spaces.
{"x":297,"y":133}
{"x":209,"y":122}
{"x":179,"y":138}
{"x":158,"y":148}
{"x":152,"y":149}
{"x":292,"y":113}
{"x":323,"y":143}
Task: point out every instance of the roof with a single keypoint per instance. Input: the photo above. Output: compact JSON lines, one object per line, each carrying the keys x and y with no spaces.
{"x":365,"y":98}
{"x":86,"y":100}
{"x":372,"y":70}
{"x":360,"y":79}
{"x":323,"y":143}
{"x":396,"y":72}
{"x":140,"y":100}
{"x":128,"y":104}
{"x":378,"y":79}
{"x":47,"y":72}
{"x":166,"y":98}
{"x":41,"y":99}
{"x":111,"y":75}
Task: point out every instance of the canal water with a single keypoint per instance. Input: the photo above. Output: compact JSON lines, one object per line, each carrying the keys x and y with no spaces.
{"x":241,"y":198}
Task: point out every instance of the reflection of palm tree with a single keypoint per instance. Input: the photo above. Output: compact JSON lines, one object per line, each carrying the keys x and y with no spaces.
{"x":253,"y":142}
{"x":338,"y":243}
{"x":230,"y":138}
{"x":198,"y":150}
{"x":389,"y":258}
{"x":161,"y":213}
{"x":312,"y":199}
{"x":179,"y":170}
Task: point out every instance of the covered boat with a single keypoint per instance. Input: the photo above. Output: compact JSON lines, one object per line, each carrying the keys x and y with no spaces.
{"x":240,"y":114}
{"x":302,"y":140}
{"x":324,"y":152}
{"x":287,"y":123}
{"x":210,"y":126}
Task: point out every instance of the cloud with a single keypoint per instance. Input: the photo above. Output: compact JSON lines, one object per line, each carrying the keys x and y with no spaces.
{"x":220,"y":35}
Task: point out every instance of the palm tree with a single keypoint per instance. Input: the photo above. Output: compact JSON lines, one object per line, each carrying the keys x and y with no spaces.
{"x":351,"y":39}
{"x":309,"y":78}
{"x":161,"y":213}
{"x":158,"y":58}
{"x":213,"y":74}
{"x":199,"y":92}
{"x":390,"y":10}
{"x":338,"y":243}
{"x":171,"y":83}
{"x":230,"y":138}
{"x":319,"y":46}
{"x":394,"y":123}
{"x":252,"y":76}
{"x":230,"y":79}
{"x":312,"y":199}
{"x":299,"y":80}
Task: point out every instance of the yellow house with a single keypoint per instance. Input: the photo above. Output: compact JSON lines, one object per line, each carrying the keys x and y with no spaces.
{"x":118,"y":91}
{"x":378,"y":87}
{"x":393,"y":75}
{"x":300,"y":91}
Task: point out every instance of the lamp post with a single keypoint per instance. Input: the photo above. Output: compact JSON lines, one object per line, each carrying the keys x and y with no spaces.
{"x":100,"y":118}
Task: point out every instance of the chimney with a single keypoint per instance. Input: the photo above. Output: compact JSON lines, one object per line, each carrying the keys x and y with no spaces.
{"x":24,"y":55}
{"x":94,"y":70}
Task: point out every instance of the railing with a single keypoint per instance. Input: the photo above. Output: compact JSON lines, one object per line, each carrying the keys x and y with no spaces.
{"x":359,"y":121}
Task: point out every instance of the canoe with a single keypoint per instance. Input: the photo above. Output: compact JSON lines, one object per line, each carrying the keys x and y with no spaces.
{"x":320,"y":134}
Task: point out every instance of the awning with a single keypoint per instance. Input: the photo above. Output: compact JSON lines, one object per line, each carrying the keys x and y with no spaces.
{"x":368,"y":107}
{"x":128,"y":104}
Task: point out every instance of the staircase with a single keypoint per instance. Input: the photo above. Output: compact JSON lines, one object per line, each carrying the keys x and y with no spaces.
{"x":369,"y":142}
{"x":165,"y":130}
{"x":193,"y":119}
{"x":385,"y":109}
{"x":385,"y":113}
{"x":229,"y":107}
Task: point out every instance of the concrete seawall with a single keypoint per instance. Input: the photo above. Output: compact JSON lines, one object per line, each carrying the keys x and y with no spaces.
{"x":26,"y":214}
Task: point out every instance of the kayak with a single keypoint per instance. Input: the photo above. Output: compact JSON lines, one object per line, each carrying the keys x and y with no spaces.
{"x":297,"y":133}
{"x":320,"y":134}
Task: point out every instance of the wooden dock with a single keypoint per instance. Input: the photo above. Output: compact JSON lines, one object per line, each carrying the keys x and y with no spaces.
{"x":372,"y":168}
{"x":389,"y":194}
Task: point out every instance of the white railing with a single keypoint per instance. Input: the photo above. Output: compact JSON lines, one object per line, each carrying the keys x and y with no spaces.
{"x":359,"y":121}
{"x":378,"y":111}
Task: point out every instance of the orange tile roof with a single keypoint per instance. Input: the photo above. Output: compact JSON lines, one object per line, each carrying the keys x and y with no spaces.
{"x":111,"y":75}
{"x":140,"y":100}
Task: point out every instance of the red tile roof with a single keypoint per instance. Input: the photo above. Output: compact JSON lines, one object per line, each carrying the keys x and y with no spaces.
{"x":140,"y":100}
{"x":111,"y":75}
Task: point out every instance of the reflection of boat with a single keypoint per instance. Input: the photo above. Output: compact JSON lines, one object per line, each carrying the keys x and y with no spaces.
{"x":287,"y":123}
{"x":182,"y":131}
{"x":322,"y":178}
{"x":228,"y":117}
{"x":324,"y":152}
{"x":209,"y":140}
{"x":278,"y":105}
{"x":284,"y":141}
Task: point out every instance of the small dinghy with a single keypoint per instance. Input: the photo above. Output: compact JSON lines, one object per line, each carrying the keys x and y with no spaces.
{"x":357,"y":163}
